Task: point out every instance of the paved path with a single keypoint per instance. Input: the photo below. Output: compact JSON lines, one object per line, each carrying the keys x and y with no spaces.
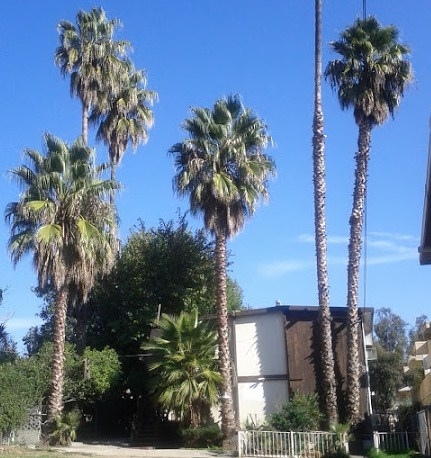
{"x":119,"y":449}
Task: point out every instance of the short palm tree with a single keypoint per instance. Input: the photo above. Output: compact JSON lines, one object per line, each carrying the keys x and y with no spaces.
{"x":89,"y":54}
{"x":370,"y":76}
{"x":325,"y":323}
{"x":223,"y":169}
{"x":184,"y":366}
{"x":63,"y":219}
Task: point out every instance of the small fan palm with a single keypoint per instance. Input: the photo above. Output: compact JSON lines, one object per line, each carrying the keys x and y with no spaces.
{"x":65,"y":427}
{"x":184,"y":365}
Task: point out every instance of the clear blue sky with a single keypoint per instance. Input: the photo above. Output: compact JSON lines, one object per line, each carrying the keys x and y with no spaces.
{"x":195,"y":52}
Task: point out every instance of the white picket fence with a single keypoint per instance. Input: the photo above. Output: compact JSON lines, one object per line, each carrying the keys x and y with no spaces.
{"x":277,"y":444}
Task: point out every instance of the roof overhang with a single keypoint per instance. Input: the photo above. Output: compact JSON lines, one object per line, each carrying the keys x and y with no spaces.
{"x":425,"y":246}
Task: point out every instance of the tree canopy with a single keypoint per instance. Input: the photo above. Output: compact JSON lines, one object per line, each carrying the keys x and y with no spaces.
{"x":167,"y":269}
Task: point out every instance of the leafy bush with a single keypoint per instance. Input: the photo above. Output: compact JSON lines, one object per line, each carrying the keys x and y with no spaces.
{"x":205,"y":436}
{"x":101,"y":370}
{"x":87,"y":375}
{"x":22,"y":383}
{"x":301,"y":413}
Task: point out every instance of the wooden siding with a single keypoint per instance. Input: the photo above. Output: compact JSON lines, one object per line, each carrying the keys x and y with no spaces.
{"x":302,"y":341}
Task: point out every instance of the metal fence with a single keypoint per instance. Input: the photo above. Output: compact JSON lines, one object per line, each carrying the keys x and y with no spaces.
{"x":28,"y":434}
{"x":393,"y":441}
{"x":286,"y":444}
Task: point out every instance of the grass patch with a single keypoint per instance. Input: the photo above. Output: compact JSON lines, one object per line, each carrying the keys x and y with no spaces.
{"x":373,"y":453}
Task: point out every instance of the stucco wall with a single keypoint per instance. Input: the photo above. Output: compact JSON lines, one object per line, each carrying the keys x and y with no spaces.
{"x":261,"y":365}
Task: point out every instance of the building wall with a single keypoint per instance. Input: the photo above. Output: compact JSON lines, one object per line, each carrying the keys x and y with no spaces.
{"x":422,"y":360}
{"x":425,"y":391}
{"x":276,"y":352}
{"x":261,"y":366}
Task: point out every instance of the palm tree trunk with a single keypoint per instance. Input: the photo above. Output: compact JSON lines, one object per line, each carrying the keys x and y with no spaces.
{"x":113,"y":178}
{"x":326,"y":353}
{"x":55,"y":399}
{"x":115,"y":241}
{"x":355,"y":246}
{"x":227,"y":411}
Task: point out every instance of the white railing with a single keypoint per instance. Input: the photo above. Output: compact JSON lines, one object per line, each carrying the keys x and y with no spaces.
{"x":391,"y":442}
{"x":312,"y":444}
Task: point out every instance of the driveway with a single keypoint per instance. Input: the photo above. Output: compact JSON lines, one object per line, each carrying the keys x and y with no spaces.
{"x":119,"y":449}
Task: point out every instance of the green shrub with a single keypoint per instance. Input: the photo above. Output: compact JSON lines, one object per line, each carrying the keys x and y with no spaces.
{"x":301,"y":413}
{"x":202,"y":437}
{"x":22,"y":383}
{"x":65,"y":427}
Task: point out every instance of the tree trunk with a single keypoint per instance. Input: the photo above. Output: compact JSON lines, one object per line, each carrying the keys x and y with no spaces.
{"x":113,"y":232}
{"x":326,"y":353}
{"x":113,"y":178}
{"x":355,"y":246}
{"x":55,"y":399}
{"x":227,"y":410}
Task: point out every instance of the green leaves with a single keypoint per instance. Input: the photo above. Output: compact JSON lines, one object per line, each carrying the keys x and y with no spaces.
{"x":301,"y":413}
{"x":37,"y":205}
{"x":87,"y":230}
{"x":51,"y":233}
{"x":61,"y":209}
{"x":371,"y":72}
{"x":23,"y":383}
{"x":184,"y":365}
{"x":222,"y":165}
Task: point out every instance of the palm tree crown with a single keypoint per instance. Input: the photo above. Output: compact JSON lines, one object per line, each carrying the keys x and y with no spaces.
{"x":222,"y":166}
{"x":89,"y":54}
{"x":372,"y":72}
{"x":60,"y":216}
{"x":125,"y":115}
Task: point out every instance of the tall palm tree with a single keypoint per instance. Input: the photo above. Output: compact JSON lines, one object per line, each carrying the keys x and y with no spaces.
{"x":326,"y":352}
{"x":184,"y":366}
{"x":62,"y":218}
{"x":370,"y":76}
{"x":124,"y":115}
{"x":89,"y":54}
{"x":223,"y":169}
